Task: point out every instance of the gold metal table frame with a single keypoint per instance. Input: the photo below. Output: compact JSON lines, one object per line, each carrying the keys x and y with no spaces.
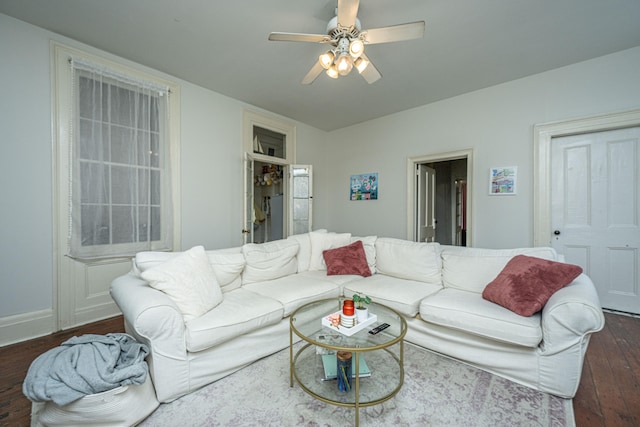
{"x":305,"y":322}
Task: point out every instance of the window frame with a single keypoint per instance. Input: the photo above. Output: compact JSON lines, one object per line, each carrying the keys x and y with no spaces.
{"x":63,"y":124}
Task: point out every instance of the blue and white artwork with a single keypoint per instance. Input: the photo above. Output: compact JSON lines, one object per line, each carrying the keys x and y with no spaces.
{"x":364,"y":187}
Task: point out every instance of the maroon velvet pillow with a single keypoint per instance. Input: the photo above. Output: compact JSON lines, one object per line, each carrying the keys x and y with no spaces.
{"x":349,"y":259}
{"x":526,"y":283}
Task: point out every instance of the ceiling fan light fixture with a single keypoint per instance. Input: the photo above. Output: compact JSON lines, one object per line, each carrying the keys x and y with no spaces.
{"x":333,"y":72}
{"x":326,"y":59}
{"x":356,"y":47}
{"x":344,"y":64}
{"x":361,"y":64}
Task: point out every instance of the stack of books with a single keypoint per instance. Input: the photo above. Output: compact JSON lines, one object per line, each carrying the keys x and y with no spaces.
{"x":330,"y":363}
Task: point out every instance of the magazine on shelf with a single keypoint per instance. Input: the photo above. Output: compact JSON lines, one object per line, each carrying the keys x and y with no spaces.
{"x":330,"y":363}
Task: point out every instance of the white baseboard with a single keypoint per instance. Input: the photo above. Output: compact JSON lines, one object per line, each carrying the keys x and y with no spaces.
{"x":22,"y":327}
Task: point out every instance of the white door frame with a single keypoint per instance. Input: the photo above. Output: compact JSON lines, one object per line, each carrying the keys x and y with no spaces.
{"x":412,"y":162}
{"x":542,"y":137}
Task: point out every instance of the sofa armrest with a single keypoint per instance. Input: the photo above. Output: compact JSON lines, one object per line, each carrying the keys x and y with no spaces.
{"x":570,"y":315}
{"x":154,"y":319}
{"x":152,"y":314}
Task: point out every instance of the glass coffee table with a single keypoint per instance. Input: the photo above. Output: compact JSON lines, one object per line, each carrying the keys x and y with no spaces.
{"x":377,"y":360}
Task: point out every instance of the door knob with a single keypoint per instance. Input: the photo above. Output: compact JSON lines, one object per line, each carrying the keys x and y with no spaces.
{"x":556,"y":232}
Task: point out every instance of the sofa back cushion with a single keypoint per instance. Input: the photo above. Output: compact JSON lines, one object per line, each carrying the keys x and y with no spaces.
{"x":304,"y":252}
{"x":268,"y":261}
{"x":322,"y":241}
{"x":404,"y":259}
{"x":369,"y":244}
{"x":227,"y":264}
{"x":471,"y":269}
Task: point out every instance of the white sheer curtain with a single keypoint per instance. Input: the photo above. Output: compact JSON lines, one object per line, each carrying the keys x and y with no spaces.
{"x":120,"y":201}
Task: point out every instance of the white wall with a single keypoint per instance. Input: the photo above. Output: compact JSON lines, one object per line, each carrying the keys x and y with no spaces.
{"x":211,"y":162}
{"x":497,"y":123}
{"x":26,"y":258}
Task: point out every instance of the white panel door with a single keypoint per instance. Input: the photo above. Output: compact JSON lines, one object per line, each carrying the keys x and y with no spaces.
{"x":425,"y":205}
{"x":595,"y":210}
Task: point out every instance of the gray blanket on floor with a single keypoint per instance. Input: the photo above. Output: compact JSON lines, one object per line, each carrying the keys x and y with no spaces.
{"x":85,"y":365}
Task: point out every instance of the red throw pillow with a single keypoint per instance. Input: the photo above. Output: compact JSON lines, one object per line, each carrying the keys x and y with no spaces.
{"x":526,"y":283}
{"x":349,"y":259}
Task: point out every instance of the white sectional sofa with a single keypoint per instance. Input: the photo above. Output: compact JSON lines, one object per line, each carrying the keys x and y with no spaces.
{"x":437,"y":289}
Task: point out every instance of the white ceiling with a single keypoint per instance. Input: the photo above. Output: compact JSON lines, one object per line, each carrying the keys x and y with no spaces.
{"x":223,"y":46}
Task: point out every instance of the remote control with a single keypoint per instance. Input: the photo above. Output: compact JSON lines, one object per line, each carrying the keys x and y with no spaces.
{"x":379,"y":328}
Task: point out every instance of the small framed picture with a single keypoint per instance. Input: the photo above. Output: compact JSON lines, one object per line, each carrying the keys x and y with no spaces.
{"x":503,"y":181}
{"x":364,"y":187}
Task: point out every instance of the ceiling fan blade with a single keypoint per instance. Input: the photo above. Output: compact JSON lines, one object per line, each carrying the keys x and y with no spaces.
{"x":347,"y":12}
{"x":371,"y":73}
{"x":313,"y":73}
{"x":395,"y":33}
{"x":297,"y":37}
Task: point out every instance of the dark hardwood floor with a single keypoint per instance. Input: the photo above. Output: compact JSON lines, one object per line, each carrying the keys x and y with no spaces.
{"x":609,"y":393}
{"x":15,"y":408}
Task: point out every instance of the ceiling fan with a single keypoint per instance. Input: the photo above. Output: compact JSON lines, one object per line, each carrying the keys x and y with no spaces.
{"x":347,"y":41}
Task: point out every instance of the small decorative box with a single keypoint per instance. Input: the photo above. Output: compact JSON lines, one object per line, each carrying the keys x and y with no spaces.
{"x":326,"y":321}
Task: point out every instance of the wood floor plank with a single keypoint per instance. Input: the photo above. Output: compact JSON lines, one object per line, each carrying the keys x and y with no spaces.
{"x":586,"y":405}
{"x":610,"y":394}
{"x":626,"y":367}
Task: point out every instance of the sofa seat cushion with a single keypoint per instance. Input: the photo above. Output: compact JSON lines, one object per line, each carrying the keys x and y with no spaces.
{"x":469,"y":312}
{"x":471,"y":269}
{"x":340,"y":279}
{"x":240,"y":312}
{"x":402,"y":295}
{"x":295,"y":290}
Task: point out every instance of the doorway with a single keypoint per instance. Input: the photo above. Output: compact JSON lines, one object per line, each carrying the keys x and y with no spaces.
{"x":587,"y":201}
{"x":268,"y":202}
{"x":439,"y":198}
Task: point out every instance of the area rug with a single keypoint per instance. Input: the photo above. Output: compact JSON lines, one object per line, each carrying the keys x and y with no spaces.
{"x":437,"y":391}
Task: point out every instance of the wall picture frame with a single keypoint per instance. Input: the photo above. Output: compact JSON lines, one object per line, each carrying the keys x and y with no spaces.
{"x":503,"y":181}
{"x":363,"y":186}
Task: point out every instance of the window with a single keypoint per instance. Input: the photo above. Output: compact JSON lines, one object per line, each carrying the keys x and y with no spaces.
{"x":120,"y":184}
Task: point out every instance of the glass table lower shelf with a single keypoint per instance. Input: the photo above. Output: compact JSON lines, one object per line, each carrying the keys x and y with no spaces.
{"x":385,"y":380}
{"x":382,"y":352}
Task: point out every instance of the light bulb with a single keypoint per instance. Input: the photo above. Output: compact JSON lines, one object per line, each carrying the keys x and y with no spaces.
{"x":326,"y":59}
{"x":344,"y":64}
{"x":356,"y":48}
{"x":361,"y":64}
{"x":332,"y":72}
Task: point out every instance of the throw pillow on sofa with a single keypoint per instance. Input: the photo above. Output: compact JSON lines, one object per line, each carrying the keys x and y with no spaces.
{"x":526,"y":283}
{"x":189,"y":280}
{"x":350,"y":259}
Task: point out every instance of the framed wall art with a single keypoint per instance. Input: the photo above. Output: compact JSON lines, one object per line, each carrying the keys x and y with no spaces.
{"x":503,"y":181}
{"x":364,"y":187}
